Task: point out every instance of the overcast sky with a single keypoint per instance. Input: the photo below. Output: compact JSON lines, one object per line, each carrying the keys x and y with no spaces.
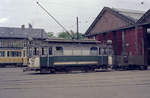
{"x":14,"y":13}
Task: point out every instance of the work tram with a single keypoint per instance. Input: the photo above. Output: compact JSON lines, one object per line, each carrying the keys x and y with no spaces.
{"x":52,"y":55}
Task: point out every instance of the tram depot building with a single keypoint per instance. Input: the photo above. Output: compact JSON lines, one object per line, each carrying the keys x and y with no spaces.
{"x":14,"y":41}
{"x":13,"y":37}
{"x":129,"y":31}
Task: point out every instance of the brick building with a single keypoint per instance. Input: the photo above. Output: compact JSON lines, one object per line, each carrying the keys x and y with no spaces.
{"x":127,"y":29}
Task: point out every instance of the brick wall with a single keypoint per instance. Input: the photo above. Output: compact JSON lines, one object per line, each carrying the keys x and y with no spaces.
{"x":107,"y":22}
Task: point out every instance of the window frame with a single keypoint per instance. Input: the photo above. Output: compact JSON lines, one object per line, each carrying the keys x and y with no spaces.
{"x":36,"y":51}
{"x":61,"y":51}
{"x":3,"y":53}
{"x":14,"y":54}
{"x":94,"y":52}
{"x":50,"y":50}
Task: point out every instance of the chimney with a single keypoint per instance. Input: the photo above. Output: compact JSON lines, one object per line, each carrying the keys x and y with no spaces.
{"x":23,"y":27}
{"x":30,"y":26}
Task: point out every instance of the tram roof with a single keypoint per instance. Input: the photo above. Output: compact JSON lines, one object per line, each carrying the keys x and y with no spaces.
{"x":85,"y":41}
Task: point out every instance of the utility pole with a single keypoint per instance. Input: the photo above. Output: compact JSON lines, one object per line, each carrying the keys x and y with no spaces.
{"x":77,"y":29}
{"x":136,"y":39}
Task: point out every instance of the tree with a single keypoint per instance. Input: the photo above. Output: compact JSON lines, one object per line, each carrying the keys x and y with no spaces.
{"x":50,"y":34}
{"x":75,"y":35}
{"x":66,"y":36}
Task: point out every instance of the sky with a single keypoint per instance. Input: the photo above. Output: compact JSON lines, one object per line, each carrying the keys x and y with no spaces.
{"x":14,"y":13}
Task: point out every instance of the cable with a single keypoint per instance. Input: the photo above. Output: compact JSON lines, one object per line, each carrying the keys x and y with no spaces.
{"x":54,"y":19}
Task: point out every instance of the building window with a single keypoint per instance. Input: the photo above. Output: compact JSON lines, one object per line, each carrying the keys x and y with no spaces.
{"x":25,"y":44}
{"x":50,"y":51}
{"x":10,"y":44}
{"x":2,"y":53}
{"x":94,"y":51}
{"x":59,"y":51}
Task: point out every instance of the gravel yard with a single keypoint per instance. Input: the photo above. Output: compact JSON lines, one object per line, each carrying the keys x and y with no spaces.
{"x":114,"y":84}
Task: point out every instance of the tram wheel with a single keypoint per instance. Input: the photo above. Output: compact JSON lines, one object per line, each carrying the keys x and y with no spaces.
{"x":53,"y":71}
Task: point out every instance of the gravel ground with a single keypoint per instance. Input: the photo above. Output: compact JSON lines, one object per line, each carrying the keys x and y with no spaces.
{"x":114,"y":84}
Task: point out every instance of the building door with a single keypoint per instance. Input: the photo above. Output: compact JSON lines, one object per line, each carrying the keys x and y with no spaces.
{"x":148,"y":56}
{"x":147,"y":45}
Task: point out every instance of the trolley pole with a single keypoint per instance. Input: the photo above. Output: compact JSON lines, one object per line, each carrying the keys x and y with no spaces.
{"x":77,"y":29}
{"x":50,"y":15}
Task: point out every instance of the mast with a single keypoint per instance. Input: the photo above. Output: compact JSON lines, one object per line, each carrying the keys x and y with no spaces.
{"x":77,"y":29}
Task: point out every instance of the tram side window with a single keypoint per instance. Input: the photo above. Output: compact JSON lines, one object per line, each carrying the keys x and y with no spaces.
{"x":14,"y":54}
{"x":50,"y":51}
{"x":8,"y":54}
{"x":2,"y":53}
{"x":100,"y":51}
{"x":30,"y":52}
{"x":105,"y":51}
{"x":59,"y":51}
{"x":36,"y":51}
{"x":24,"y":53}
{"x":43,"y":52}
{"x":94,"y":51}
{"x":19,"y":54}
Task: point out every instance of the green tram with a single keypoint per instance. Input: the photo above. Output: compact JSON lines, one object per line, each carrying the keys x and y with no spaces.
{"x":53,"y":55}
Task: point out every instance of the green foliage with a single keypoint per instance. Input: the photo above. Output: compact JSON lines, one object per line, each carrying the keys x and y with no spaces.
{"x":75,"y":35}
{"x":50,"y":34}
{"x":66,"y":36}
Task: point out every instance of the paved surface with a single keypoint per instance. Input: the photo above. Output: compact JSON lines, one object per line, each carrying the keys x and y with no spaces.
{"x":117,"y":84}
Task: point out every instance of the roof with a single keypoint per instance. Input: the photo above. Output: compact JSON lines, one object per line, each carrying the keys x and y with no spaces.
{"x":134,"y":15}
{"x":144,"y":17}
{"x":130,"y":16}
{"x":13,"y":32}
{"x":87,"y":41}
